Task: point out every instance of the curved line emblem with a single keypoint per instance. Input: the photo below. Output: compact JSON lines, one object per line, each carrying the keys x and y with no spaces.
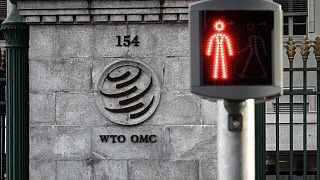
{"x":128,"y":92}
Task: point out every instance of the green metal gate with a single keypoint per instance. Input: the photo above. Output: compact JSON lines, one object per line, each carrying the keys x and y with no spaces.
{"x":300,"y":162}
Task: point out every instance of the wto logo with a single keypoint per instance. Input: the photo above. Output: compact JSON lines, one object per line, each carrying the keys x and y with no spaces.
{"x":128,"y":92}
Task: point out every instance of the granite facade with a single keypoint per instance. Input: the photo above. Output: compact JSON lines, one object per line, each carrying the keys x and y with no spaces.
{"x":70,"y":45}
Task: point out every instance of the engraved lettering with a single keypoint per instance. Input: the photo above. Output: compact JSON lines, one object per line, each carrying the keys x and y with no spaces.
{"x":121,"y":138}
{"x":113,"y":138}
{"x":144,"y":139}
{"x":134,"y":138}
{"x":104,"y":138}
{"x":153,"y":138}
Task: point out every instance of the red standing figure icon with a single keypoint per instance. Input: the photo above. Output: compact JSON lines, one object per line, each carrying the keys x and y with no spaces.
{"x":219,"y":47}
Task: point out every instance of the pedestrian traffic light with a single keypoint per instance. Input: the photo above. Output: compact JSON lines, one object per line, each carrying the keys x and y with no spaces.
{"x":236,"y":49}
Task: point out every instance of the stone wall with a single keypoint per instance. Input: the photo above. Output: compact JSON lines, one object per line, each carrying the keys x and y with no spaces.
{"x":71,"y":42}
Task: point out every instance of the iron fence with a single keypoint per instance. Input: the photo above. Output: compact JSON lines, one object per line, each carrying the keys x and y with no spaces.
{"x":293,"y":155}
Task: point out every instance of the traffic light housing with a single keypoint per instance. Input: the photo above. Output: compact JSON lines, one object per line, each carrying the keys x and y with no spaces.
{"x":236,"y":49}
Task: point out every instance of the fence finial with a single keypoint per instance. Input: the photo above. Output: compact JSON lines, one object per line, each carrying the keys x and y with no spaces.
{"x":2,"y":59}
{"x":316,"y":48}
{"x":291,"y":49}
{"x":305,"y":46}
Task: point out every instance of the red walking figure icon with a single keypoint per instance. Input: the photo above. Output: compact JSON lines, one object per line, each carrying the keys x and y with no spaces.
{"x":221,"y":43}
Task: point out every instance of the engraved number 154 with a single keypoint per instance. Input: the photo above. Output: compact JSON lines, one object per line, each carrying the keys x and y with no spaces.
{"x":126,"y":41}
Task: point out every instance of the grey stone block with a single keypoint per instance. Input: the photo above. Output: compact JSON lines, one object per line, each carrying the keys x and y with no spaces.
{"x":57,"y":42}
{"x":65,"y":19}
{"x":113,"y":170}
{"x":170,"y":17}
{"x":117,"y":18}
{"x":52,"y":12}
{"x":175,"y":10}
{"x":61,"y":75}
{"x":83,"y":18}
{"x":156,"y":40}
{"x":44,"y":4}
{"x":49,"y":19}
{"x":134,"y":17}
{"x":42,"y":170}
{"x":60,"y":143}
{"x":177,"y":74}
{"x":43,"y":38}
{"x":101,"y":18}
{"x":105,"y":38}
{"x":78,"y":109}
{"x":178,"y":3}
{"x":42,"y":108}
{"x":209,"y":112}
{"x":73,"y":170}
{"x":190,"y":142}
{"x":74,"y":41}
{"x":160,"y":170}
{"x":128,"y":149}
{"x":176,"y":108}
{"x":208,"y":169}
{"x":126,"y":11}
{"x":125,"y":4}
{"x":184,"y":17}
{"x":157,"y":65}
{"x":151,"y":17}
{"x":32,"y":19}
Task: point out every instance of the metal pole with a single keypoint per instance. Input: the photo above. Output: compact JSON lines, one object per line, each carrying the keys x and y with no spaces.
{"x":260,"y":123}
{"x":2,"y":111}
{"x":236,"y":147}
{"x":2,"y":145}
{"x":16,"y":33}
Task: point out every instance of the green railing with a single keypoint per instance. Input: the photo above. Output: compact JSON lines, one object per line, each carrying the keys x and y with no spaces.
{"x":292,"y":163}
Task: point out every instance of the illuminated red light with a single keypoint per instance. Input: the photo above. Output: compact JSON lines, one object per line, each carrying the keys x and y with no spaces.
{"x":219,"y":26}
{"x":218,"y":41}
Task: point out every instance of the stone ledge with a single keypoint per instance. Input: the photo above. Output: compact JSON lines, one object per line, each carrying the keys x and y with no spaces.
{"x":110,"y":18}
{"x":104,"y":11}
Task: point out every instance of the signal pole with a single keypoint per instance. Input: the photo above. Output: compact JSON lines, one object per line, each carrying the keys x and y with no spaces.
{"x":236,"y":140}
{"x":236,"y":57}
